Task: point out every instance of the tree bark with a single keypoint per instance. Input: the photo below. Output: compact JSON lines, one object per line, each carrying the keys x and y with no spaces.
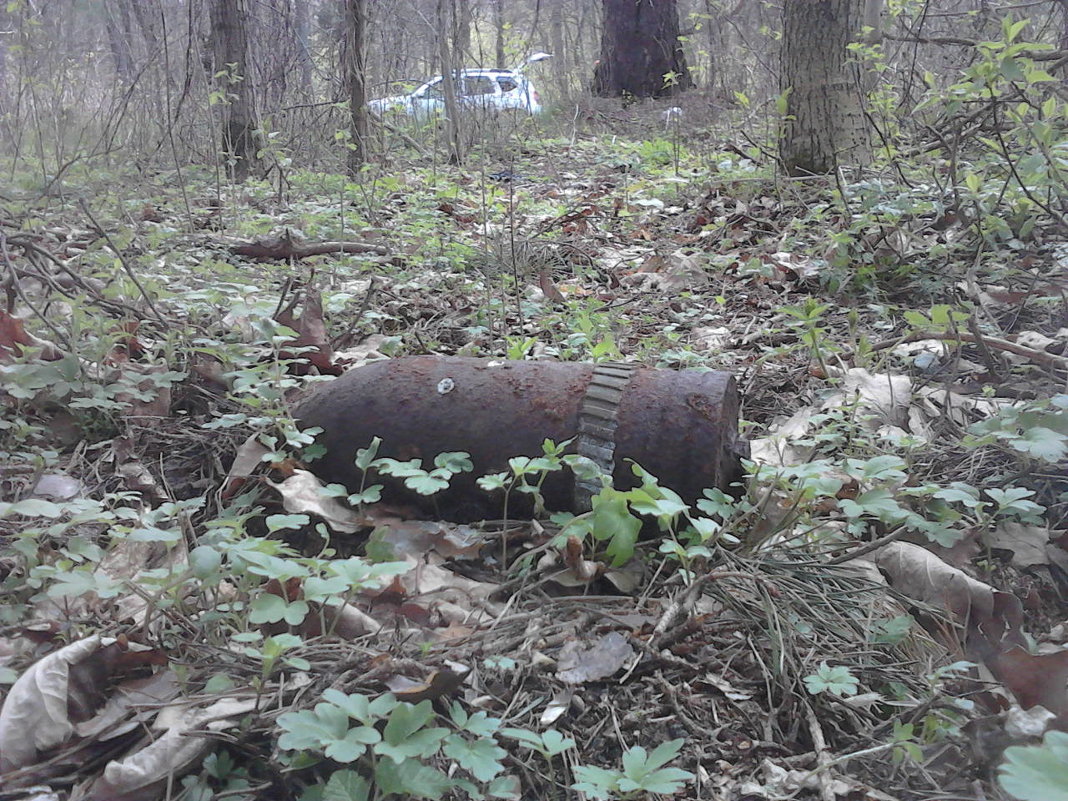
{"x":302,"y":34}
{"x":117,"y":22}
{"x":447,"y":25}
{"x":825,"y":126}
{"x":462,"y":39}
{"x":561,"y":53}
{"x":640,"y":50}
{"x":498,"y":28}
{"x":229,"y":30}
{"x":355,"y":81}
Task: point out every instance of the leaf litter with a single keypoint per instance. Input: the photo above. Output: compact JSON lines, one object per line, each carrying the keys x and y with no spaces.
{"x":611,"y":657}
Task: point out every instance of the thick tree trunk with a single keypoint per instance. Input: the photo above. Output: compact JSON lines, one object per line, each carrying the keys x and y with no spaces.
{"x":229,"y":32}
{"x":639,"y":47}
{"x":355,"y":81}
{"x":117,"y":22}
{"x":826,"y":126}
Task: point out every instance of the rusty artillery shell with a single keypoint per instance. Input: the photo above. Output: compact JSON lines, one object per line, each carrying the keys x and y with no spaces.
{"x":680,"y":425}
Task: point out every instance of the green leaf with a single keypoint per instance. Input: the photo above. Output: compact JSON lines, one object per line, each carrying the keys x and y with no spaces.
{"x":391,"y":467}
{"x":553,"y":742}
{"x":346,"y":785}
{"x":32,"y":507}
{"x":1039,"y":442}
{"x":270,"y":608}
{"x":410,"y":777}
{"x":1037,"y":772}
{"x":312,"y":729}
{"x":635,"y":763}
{"x":360,"y":707}
{"x":365,"y":456}
{"x":454,"y":462}
{"x":878,"y":503}
{"x":611,"y":520}
{"x":352,"y":746}
{"x":596,"y":782}
{"x":426,"y":483}
{"x":480,"y":723}
{"x":493,"y":481}
{"x":836,"y":680}
{"x":371,"y":494}
{"x":286,"y":522}
{"x":404,"y":736}
{"x":528,"y":738}
{"x":666,"y":780}
{"x":481,"y":757}
{"x":505,"y":787}
{"x":664,"y":753}
{"x":961,"y":493}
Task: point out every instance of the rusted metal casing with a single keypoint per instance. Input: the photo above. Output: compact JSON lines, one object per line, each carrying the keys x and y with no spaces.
{"x":681,"y":426}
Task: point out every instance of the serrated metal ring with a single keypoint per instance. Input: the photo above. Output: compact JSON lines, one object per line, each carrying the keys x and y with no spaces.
{"x":597,"y":423}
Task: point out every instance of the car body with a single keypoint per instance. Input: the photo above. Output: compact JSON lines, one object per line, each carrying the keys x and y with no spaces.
{"x":484,"y":90}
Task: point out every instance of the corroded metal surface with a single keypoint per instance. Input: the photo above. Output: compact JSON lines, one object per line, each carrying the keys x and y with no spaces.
{"x":679,"y":425}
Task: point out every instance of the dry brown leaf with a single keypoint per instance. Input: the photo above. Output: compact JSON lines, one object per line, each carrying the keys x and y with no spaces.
{"x":248,"y":457}
{"x":58,"y":487}
{"x":883,"y":396}
{"x":133,"y":703}
{"x":142,"y":774}
{"x":917,"y":573}
{"x":301,"y":493}
{"x":439,"y":684}
{"x":578,"y":663}
{"x":59,"y":691}
{"x":14,"y":339}
{"x":413,"y":538}
{"x":1034,"y":679}
{"x":311,"y":333}
{"x":1027,"y":543}
{"x":557,"y":706}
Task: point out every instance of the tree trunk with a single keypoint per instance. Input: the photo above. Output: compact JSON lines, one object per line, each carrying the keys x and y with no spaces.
{"x":355,"y":81}
{"x":498,"y":27}
{"x":229,"y":32}
{"x":826,"y":126}
{"x":302,"y":33}
{"x":561,"y":53}
{"x":462,"y":39}
{"x":447,"y":30}
{"x":640,"y":50}
{"x":117,"y":22}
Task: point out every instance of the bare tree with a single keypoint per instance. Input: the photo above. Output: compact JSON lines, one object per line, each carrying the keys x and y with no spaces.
{"x":640,"y":50}
{"x":302,"y":33}
{"x":826,"y":125}
{"x":117,"y":22}
{"x":448,"y":24}
{"x":229,"y":31}
{"x":355,"y":81}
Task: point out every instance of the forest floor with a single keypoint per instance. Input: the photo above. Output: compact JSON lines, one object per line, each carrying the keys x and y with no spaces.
{"x":877,"y":616}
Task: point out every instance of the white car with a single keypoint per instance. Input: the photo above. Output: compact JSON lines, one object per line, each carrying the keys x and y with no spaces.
{"x":479,"y":90}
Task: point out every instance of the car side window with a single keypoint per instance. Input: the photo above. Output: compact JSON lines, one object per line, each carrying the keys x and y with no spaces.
{"x":507,"y":84}
{"x":434,"y":90}
{"x":478,"y":85}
